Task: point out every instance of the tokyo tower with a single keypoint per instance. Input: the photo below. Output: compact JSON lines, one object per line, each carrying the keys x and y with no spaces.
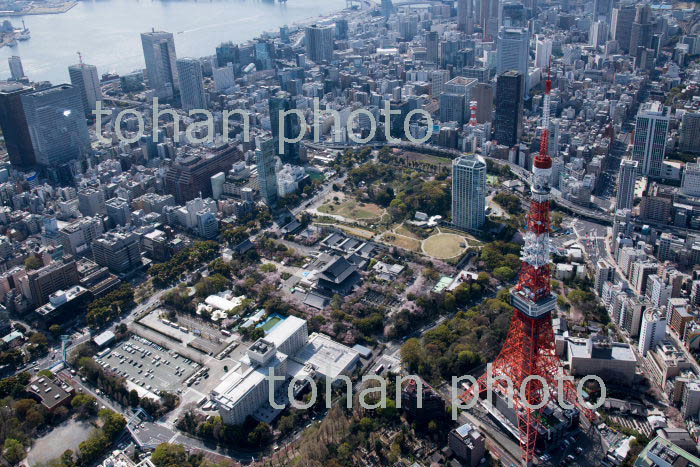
{"x":529,"y":353}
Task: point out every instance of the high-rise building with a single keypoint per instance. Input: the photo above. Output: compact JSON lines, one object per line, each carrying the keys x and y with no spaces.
{"x":190,"y":176}
{"x":650,"y":134}
{"x":57,"y":125}
{"x":690,"y":133}
{"x":543,"y":52}
{"x":604,"y":272}
{"x":207,"y":225}
{"x":341,"y":29}
{"x":319,"y":43}
{"x":468,"y":444}
{"x":226,"y":52}
{"x":224,"y":77}
{"x":13,"y":122}
{"x":16,"y":68}
{"x":91,"y":202}
{"x":77,"y":236}
{"x":512,"y":14}
{"x":267,"y":174}
{"x":513,"y":46}
{"x":118,"y":250}
{"x":192,"y":96}
{"x":622,"y":19}
{"x":690,"y":185}
{"x":641,"y":30}
{"x":508,"y":122}
{"x":453,"y":108}
{"x":284,"y":102}
{"x":432,"y":46}
{"x":118,"y":211}
{"x":489,"y":18}
{"x":483,"y":95}
{"x":52,"y":278}
{"x":465,"y":16}
{"x":462,"y":86}
{"x":84,"y":78}
{"x":626,"y":181}
{"x":469,"y":192}
{"x":387,"y":8}
{"x":602,"y":10}
{"x":598,"y":34}
{"x":438,"y":78}
{"x":653,"y":330}
{"x":160,"y":57}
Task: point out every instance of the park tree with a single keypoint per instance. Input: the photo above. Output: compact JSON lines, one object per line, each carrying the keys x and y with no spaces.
{"x":13,"y":451}
{"x":169,"y":455}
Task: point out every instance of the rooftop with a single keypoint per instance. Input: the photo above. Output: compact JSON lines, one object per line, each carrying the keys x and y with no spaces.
{"x":328,"y":357}
{"x":663,"y":452}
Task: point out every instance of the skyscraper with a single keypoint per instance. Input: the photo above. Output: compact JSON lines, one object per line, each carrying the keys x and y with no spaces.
{"x":625,"y":184}
{"x":489,"y":18}
{"x":543,"y":52}
{"x":57,"y":125}
{"x":190,"y":177}
{"x":598,"y":33}
{"x":226,"y":52}
{"x":650,"y":133}
{"x":267,"y":175}
{"x":159,"y":53}
{"x":224,"y":77}
{"x":13,"y":122}
{"x":387,"y":8}
{"x":432,"y":46}
{"x":483,"y":95}
{"x":453,"y":108}
{"x":438,"y":78}
{"x":512,"y":15}
{"x":622,"y":19}
{"x":84,"y":78}
{"x":192,"y":95}
{"x":469,"y":192}
{"x":283,"y":101}
{"x":640,"y":33}
{"x":690,"y":132}
{"x":509,"y":108}
{"x":513,"y":46}
{"x":602,"y":10}
{"x":16,"y":68}
{"x":341,"y":29}
{"x":465,"y":16}
{"x":319,"y":43}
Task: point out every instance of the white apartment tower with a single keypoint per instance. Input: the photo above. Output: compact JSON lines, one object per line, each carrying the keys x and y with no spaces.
{"x":469,"y":192}
{"x":626,"y":181}
{"x":653,"y":330}
{"x":650,"y":134}
{"x":543,"y":52}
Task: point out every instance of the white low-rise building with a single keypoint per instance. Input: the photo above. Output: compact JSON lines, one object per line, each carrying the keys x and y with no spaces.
{"x":289,"y":351}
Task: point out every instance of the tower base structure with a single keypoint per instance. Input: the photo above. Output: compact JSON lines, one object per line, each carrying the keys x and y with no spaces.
{"x":527,"y":372}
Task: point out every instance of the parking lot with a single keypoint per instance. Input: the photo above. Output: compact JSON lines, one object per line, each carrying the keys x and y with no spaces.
{"x":191,"y":331}
{"x":148,"y":367}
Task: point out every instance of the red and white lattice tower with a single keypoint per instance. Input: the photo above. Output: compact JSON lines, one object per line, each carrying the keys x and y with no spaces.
{"x":472,"y":107}
{"x":529,"y":350}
